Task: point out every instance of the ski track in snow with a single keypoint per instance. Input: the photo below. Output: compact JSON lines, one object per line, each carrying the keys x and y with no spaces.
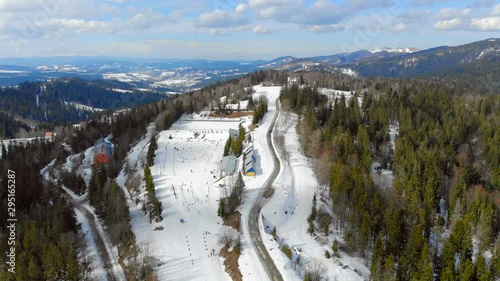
{"x":183,"y":173}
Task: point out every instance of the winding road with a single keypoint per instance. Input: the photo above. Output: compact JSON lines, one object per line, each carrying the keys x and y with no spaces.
{"x":253,"y":218}
{"x":106,"y":257}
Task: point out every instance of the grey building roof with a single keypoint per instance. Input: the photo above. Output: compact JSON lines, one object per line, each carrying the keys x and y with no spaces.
{"x":234,"y":132}
{"x":104,"y":148}
{"x":228,"y":164}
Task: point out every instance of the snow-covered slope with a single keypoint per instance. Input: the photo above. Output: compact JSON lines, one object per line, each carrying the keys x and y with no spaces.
{"x":288,"y":211}
{"x":184,"y":173}
{"x":394,"y":50}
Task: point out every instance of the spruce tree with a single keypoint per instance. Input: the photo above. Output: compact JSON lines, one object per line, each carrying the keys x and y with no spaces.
{"x":72,"y":271}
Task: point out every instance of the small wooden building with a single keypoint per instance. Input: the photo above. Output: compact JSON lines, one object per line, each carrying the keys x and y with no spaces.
{"x":103,"y":152}
{"x":49,"y":135}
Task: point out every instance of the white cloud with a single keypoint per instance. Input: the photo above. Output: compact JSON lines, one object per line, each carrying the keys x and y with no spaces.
{"x":496,"y":10}
{"x":29,"y":10}
{"x":486,"y":24}
{"x":375,"y":24}
{"x":259,"y":29}
{"x":426,"y":2}
{"x":217,"y":32}
{"x":277,"y":9}
{"x":242,"y":28}
{"x":447,"y":24}
{"x":19,"y":5}
{"x":320,"y":12}
{"x":241,"y":8}
{"x":148,"y":19}
{"x":57,"y":27}
{"x":221,"y":19}
{"x":483,"y":3}
{"x":450,"y":13}
{"x":400,"y":27}
{"x":326,"y":28}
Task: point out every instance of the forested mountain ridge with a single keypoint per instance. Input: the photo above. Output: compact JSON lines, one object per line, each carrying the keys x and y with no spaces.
{"x":68,"y":100}
{"x":431,"y":61}
{"x":446,"y":149}
{"x":475,"y":65}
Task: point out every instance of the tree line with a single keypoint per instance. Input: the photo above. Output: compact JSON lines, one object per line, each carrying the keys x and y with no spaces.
{"x":446,"y":155}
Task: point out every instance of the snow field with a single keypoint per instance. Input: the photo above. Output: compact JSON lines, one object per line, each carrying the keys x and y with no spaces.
{"x":337,"y":94}
{"x":185,"y":177}
{"x":186,"y":183}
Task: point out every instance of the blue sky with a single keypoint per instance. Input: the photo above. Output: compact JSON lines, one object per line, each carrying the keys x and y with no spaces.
{"x":237,"y":29}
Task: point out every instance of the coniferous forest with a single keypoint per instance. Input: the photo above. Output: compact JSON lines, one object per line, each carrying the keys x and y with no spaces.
{"x":54,"y":101}
{"x":438,"y":220}
{"x":440,"y":217}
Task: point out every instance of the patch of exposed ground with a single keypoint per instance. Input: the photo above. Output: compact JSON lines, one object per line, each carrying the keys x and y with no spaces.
{"x":234,"y":220}
{"x":231,"y":262}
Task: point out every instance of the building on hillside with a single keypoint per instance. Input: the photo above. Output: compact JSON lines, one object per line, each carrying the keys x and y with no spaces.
{"x":249,"y":154}
{"x":249,"y":161}
{"x":103,"y":152}
{"x":292,"y":80}
{"x":49,"y":135}
{"x":234,"y":133}
{"x":227,"y":166}
{"x":249,"y":169}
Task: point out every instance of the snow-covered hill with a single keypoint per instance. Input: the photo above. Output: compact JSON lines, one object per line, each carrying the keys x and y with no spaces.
{"x":394,"y":50}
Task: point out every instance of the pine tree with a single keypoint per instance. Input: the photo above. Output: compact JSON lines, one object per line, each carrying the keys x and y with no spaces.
{"x":227,"y":146}
{"x":34,"y":272}
{"x":239,"y":186}
{"x":389,"y":269}
{"x":22,"y":272}
{"x":72,"y":271}
{"x":151,"y":150}
{"x":221,"y":212}
{"x":313,"y":214}
{"x":467,"y":271}
{"x":4,"y":152}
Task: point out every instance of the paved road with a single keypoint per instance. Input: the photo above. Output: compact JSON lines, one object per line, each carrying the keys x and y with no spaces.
{"x":99,"y":242}
{"x":106,"y":258}
{"x":253,"y":218}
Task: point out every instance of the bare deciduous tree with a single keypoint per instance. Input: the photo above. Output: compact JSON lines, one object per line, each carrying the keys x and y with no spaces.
{"x":229,"y":236}
{"x":315,"y":272}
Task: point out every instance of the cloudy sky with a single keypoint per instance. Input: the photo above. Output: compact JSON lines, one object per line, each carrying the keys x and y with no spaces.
{"x":237,"y":29}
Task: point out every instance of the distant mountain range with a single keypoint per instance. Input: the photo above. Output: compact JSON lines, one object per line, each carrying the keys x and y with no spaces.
{"x":343,"y":58}
{"x":146,"y":74}
{"x":476,"y":62}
